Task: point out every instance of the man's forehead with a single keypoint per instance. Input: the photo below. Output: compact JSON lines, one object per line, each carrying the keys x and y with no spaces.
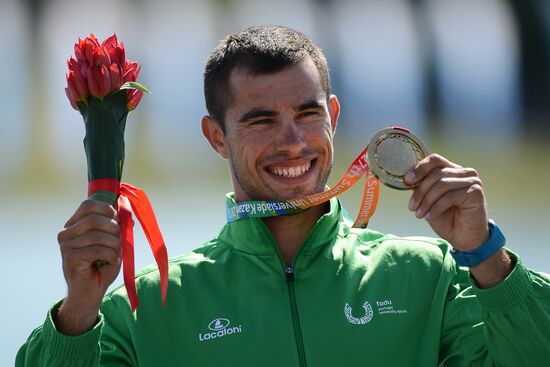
{"x":298,"y":82}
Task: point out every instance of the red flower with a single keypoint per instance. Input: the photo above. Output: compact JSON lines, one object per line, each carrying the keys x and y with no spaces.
{"x":134,"y":96}
{"x":114,"y":74}
{"x":99,"y":70}
{"x":115,"y":50}
{"x":131,"y":71}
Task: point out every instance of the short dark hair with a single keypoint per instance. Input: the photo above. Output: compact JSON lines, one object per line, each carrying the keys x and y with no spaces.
{"x":260,"y":50}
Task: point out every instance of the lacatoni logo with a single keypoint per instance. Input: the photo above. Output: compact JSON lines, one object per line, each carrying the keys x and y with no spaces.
{"x":219,"y":328}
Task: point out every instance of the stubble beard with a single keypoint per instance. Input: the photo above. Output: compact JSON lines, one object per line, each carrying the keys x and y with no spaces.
{"x":266,"y":193}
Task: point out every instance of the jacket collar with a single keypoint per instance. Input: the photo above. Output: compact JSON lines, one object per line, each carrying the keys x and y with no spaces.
{"x":251,"y":235}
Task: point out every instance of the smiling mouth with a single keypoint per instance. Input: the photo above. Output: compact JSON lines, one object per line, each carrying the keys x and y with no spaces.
{"x":291,"y":172}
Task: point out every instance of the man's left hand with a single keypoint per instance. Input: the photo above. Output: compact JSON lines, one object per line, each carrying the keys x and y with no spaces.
{"x":450,"y":197}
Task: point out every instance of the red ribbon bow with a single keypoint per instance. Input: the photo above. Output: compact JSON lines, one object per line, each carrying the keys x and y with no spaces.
{"x":132,"y":199}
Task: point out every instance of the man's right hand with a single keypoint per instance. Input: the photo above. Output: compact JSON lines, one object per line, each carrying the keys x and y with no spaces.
{"x":92,"y":233}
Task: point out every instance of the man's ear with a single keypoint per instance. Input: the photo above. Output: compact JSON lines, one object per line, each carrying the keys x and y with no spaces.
{"x":213,"y":132}
{"x":334,"y":111}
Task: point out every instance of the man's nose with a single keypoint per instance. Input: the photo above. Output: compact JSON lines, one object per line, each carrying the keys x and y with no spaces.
{"x":290,"y":138}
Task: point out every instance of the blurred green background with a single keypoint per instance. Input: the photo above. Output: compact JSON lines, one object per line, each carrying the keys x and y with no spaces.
{"x":471,"y":77}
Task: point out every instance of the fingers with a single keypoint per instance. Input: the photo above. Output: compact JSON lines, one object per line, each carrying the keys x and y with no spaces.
{"x":440,"y":185}
{"x":92,"y":233}
{"x":92,"y":238}
{"x":89,"y":223}
{"x":425,"y":166}
{"x":88,"y":207}
{"x":467,"y":198}
{"x":81,"y":259}
{"x":441,"y":182}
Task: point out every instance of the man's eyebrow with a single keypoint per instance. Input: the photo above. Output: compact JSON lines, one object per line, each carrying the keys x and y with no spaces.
{"x":257,"y":112}
{"x":311,"y":104}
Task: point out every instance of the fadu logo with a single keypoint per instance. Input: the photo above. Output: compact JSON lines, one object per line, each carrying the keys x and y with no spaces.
{"x":219,"y":328}
{"x":359,"y":320}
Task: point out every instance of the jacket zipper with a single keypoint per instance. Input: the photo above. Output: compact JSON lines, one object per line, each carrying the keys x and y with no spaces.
{"x":289,"y":272}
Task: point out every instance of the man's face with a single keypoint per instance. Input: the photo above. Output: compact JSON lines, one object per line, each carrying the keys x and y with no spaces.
{"x":279,"y":132}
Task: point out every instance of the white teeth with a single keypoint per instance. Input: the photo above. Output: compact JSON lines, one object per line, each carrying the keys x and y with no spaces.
{"x":292,"y":171}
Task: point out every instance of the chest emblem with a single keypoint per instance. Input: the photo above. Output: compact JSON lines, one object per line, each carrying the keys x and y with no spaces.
{"x":359,"y":320}
{"x":219,"y":328}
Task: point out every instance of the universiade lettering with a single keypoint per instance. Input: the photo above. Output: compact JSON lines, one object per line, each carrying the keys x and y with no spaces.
{"x":264,"y":207}
{"x":246,"y":208}
{"x":254,"y":208}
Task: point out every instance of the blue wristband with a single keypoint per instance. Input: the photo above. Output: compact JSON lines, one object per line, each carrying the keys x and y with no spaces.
{"x":495,"y":241}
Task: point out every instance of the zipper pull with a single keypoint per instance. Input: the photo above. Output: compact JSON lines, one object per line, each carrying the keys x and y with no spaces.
{"x":289,"y":272}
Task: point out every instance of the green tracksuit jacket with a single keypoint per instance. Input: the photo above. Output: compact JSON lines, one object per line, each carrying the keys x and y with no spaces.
{"x":351,"y":297}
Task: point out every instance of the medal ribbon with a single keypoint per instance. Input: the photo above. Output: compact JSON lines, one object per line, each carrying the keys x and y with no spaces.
{"x":272,"y":208}
{"x":133,"y":200}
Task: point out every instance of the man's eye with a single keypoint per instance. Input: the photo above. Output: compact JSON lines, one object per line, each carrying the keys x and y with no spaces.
{"x":261,"y":122}
{"x":313,"y":113}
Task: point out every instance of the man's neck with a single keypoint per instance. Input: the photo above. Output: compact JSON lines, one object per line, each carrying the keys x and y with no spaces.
{"x":291,"y":231}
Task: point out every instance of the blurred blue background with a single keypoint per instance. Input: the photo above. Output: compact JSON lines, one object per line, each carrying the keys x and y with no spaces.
{"x":471,"y":77}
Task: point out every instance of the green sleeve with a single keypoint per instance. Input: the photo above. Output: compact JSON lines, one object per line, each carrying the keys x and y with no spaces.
{"x":48,"y":347}
{"x":107,"y":344}
{"x":507,"y":325}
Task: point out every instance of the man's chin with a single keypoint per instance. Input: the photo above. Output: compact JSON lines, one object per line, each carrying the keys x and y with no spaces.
{"x":296,"y":193}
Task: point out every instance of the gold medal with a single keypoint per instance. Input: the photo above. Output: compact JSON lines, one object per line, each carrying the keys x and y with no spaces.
{"x":392,"y":152}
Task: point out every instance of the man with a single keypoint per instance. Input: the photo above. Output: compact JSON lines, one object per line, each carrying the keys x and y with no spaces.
{"x":305,"y":289}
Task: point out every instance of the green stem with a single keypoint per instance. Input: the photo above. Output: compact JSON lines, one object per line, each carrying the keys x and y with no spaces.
{"x":109,"y":198}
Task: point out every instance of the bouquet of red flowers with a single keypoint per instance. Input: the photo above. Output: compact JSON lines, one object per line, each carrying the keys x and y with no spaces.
{"x":101,"y":84}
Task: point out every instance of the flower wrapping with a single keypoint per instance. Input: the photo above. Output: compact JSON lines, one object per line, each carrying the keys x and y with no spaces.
{"x":105,"y":122}
{"x":101,"y":85}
